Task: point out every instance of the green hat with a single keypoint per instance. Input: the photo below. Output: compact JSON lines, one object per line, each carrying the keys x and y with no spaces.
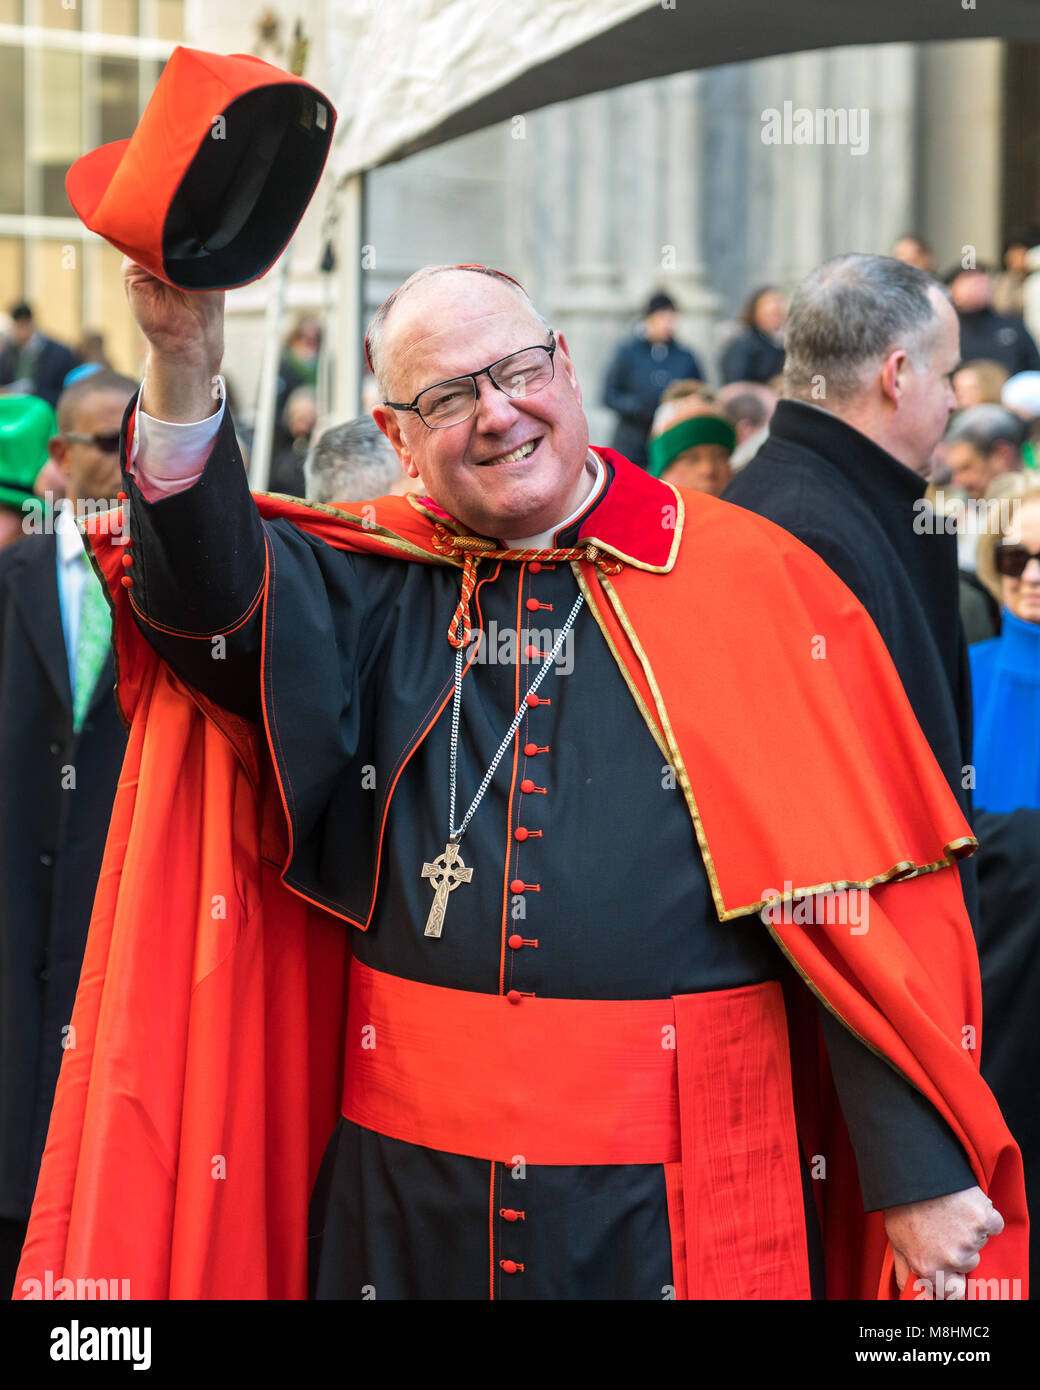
{"x":26,"y":423}
{"x":665,"y":448}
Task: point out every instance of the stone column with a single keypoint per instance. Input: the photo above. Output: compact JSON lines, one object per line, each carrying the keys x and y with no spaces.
{"x":682,"y":262}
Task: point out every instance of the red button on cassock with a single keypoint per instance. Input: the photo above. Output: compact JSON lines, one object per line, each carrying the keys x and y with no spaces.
{"x":515,"y":942}
{"x":532,"y":605}
{"x":530,"y":750}
{"x":520,"y":833}
{"x":535,"y":566}
{"x":508,"y":1266}
{"x":514,"y":996}
{"x":531,"y":700}
{"x":527,"y":786}
{"x":127,"y":561}
{"x":517,"y":885}
{"x":127,"y":582}
{"x":533,"y":653}
{"x":120,"y":496}
{"x":508,"y":1214}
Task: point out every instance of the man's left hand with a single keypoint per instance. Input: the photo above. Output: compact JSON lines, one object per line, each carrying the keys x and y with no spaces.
{"x":942,"y":1234}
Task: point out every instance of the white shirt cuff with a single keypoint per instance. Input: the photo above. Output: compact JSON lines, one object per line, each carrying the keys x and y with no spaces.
{"x":167,"y":458}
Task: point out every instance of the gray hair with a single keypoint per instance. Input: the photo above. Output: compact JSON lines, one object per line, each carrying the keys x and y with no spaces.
{"x":375,"y":338}
{"x":986,"y":426}
{"x":351,"y":463}
{"x":847,"y":315}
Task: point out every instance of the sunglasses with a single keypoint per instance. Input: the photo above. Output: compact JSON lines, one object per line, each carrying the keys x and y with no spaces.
{"x":1011,"y":560}
{"x":107,"y":443}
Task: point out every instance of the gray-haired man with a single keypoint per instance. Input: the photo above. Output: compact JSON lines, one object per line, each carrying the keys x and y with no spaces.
{"x":871,"y":346}
{"x":353,"y":462}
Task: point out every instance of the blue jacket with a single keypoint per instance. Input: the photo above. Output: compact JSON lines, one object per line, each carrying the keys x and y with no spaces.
{"x":1005,"y":677}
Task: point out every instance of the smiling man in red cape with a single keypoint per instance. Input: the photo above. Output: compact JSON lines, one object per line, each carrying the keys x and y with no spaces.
{"x":607,"y":1077}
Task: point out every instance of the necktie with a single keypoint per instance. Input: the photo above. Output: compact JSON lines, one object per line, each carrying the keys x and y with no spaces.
{"x":95,"y":632}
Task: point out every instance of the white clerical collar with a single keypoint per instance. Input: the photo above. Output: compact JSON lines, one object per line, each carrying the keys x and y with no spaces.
{"x":545,"y":540}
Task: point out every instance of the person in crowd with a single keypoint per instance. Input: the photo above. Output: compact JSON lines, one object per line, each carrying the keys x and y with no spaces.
{"x":978,"y":383}
{"x":297,"y":367}
{"x":955,"y":496}
{"x":914,"y":250}
{"x":91,"y":349}
{"x":32,"y":363}
{"x":982,"y":443}
{"x":639,"y":371}
{"x":1005,"y":672}
{"x":678,"y":400}
{"x":985,"y":333}
{"x":757,"y":353}
{"x":299,"y":418}
{"x":684,"y":388}
{"x":1006,"y":690}
{"x":871,"y":345}
{"x":26,"y":424}
{"x":695,"y":451}
{"x":353,"y":462}
{"x":749,"y":405}
{"x":1021,"y":395}
{"x":61,"y":747}
{"x":1009,"y":283}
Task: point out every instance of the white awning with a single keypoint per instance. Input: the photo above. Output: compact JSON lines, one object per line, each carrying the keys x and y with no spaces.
{"x":409,"y":74}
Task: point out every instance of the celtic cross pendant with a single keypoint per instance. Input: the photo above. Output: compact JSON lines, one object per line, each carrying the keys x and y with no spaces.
{"x":445,"y":873}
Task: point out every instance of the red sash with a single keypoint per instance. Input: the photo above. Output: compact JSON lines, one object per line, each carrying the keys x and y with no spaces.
{"x":700,"y":1083}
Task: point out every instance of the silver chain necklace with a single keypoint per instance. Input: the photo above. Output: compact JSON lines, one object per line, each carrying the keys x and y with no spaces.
{"x":447,"y":871}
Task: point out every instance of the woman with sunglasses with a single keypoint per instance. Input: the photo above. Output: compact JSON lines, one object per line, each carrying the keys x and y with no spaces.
{"x":1005,"y":671}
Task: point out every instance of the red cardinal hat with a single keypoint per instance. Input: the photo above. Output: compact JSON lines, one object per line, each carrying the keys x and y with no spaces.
{"x":210,"y":187}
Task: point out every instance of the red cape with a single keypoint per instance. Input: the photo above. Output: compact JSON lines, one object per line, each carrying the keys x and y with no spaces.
{"x":192,"y":1111}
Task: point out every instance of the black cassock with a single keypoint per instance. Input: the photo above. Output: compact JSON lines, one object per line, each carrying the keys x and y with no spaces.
{"x":359,"y":659}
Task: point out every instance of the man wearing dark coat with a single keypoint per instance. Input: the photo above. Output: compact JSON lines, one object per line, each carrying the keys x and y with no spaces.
{"x":61,"y":747}
{"x":33,"y":362}
{"x":871,"y":344}
{"x":985,"y":334}
{"x":641,"y":368}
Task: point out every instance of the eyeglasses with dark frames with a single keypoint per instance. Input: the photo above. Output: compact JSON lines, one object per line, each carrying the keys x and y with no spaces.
{"x":451,"y":402}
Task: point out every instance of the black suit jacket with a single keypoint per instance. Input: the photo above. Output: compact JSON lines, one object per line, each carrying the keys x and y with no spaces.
{"x":53,"y":364}
{"x":55,"y":806}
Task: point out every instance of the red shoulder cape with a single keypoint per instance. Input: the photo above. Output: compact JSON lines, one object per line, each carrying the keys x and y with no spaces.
{"x":205,"y":1075}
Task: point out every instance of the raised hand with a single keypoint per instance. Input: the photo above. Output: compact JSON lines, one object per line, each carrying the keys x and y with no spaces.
{"x":185,"y":333}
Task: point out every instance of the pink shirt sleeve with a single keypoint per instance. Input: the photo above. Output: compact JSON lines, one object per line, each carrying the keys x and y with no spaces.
{"x":166,"y":458}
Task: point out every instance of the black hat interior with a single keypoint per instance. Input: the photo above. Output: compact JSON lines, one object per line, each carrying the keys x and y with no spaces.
{"x":247,"y":187}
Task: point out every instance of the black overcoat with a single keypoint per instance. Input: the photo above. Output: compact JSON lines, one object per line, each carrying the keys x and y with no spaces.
{"x":866,"y":515}
{"x":52,"y":834}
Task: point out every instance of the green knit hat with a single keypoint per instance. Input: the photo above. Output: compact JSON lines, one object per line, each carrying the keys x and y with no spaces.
{"x":665,"y":448}
{"x":26,"y":423}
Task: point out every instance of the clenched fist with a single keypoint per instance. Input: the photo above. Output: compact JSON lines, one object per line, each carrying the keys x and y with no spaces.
{"x":185,"y":332}
{"x":942,"y":1233}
